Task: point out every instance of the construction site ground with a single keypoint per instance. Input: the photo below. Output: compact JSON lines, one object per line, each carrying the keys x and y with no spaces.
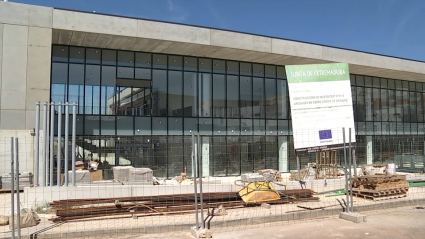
{"x":177,"y":225}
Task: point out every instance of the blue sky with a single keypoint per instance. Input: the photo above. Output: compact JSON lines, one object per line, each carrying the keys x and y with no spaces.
{"x":388,"y":27}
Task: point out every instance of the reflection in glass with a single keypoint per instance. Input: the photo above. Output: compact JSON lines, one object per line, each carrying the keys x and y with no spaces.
{"x":219,"y":96}
{"x":258,"y":97}
{"x":76,"y":86}
{"x":159,"y":93}
{"x":232,"y":96}
{"x":246,"y":97}
{"x":92,"y":89}
{"x":190,"y":95}
{"x":175,"y":91}
{"x":59,"y":82}
{"x":108,"y":91}
{"x":271,"y":100}
{"x":205,"y":94}
{"x":282,"y":99}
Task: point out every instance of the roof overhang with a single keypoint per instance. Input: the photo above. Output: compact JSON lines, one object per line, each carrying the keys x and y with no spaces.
{"x":104,"y":31}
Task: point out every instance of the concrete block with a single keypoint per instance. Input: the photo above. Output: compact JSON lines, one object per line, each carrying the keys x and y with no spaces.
{"x":200,"y":233}
{"x":353,"y":217}
{"x":85,"y":22}
{"x":241,"y":41}
{"x":173,"y":32}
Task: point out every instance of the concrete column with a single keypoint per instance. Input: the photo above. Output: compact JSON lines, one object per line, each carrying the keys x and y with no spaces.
{"x":205,"y":156}
{"x":369,"y":150}
{"x":283,"y":154}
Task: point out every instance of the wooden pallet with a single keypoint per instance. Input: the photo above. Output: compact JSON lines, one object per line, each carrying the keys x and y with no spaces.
{"x":376,"y":193}
{"x":380,"y":198}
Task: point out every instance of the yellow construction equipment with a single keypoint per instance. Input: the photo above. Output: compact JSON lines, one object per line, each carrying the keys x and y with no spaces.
{"x":257,"y":191}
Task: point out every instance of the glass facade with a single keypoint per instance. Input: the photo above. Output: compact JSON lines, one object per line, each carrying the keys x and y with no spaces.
{"x":137,"y":108}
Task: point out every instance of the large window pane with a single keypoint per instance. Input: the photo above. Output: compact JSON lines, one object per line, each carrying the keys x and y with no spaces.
{"x":282,"y":99}
{"x":205,"y":126}
{"x":376,"y":104}
{"x":399,"y":106}
{"x":175,"y":91}
{"x":384,"y":105}
{"x":159,"y":61}
{"x":76,"y":86}
{"x":107,"y":103}
{"x":175,"y":126}
{"x":420,"y":107}
{"x":126,"y":58}
{"x":271,"y":100}
{"x":232,"y":96}
{"x":412,"y":104}
{"x":143,"y":60}
{"x":109,"y":57}
{"x":59,"y":82}
{"x":92,"y":89}
{"x":190,"y":94}
{"x":392,"y":106}
{"x":258,"y":98}
{"x":142,"y":126}
{"x":159,"y":93}
{"x":76,"y":54}
{"x":60,"y":53}
{"x":246,"y":97}
{"x":124,"y":125}
{"x":219,"y":96}
{"x":368,"y":101}
{"x":205,"y":94}
{"x":406,"y":108}
{"x":175,"y":62}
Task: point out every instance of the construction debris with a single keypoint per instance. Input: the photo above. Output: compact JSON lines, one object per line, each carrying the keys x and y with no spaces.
{"x":378,"y":187}
{"x":161,"y":204}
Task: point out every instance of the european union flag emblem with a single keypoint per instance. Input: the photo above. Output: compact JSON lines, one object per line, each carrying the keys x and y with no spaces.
{"x":325,"y":134}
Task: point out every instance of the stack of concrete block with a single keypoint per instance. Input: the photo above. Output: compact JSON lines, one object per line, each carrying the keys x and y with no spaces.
{"x":25,"y":180}
{"x":122,"y":173}
{"x":81,"y":177}
{"x":140,"y":176}
{"x":251,"y":177}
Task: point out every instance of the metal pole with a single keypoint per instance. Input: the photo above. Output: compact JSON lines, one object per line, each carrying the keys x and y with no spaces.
{"x":12,"y":186}
{"x":350,"y":164}
{"x":37,"y":142}
{"x":346,"y":171}
{"x":45,"y":176}
{"x":66,"y":143}
{"x":354,"y":162}
{"x":18,"y":201}
{"x":58,"y":156}
{"x":194,"y":158}
{"x":74,"y":126}
{"x":52,"y":135}
{"x":298,"y":168}
{"x":200,"y":180}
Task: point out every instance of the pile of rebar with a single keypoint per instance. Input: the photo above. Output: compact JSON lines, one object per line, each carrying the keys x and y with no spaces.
{"x":74,"y":209}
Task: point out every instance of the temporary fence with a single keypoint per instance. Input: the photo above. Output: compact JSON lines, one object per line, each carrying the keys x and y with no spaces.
{"x":161,"y":186}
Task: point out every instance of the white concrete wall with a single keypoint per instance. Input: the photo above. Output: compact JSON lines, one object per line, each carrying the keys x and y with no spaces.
{"x":25,"y":58}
